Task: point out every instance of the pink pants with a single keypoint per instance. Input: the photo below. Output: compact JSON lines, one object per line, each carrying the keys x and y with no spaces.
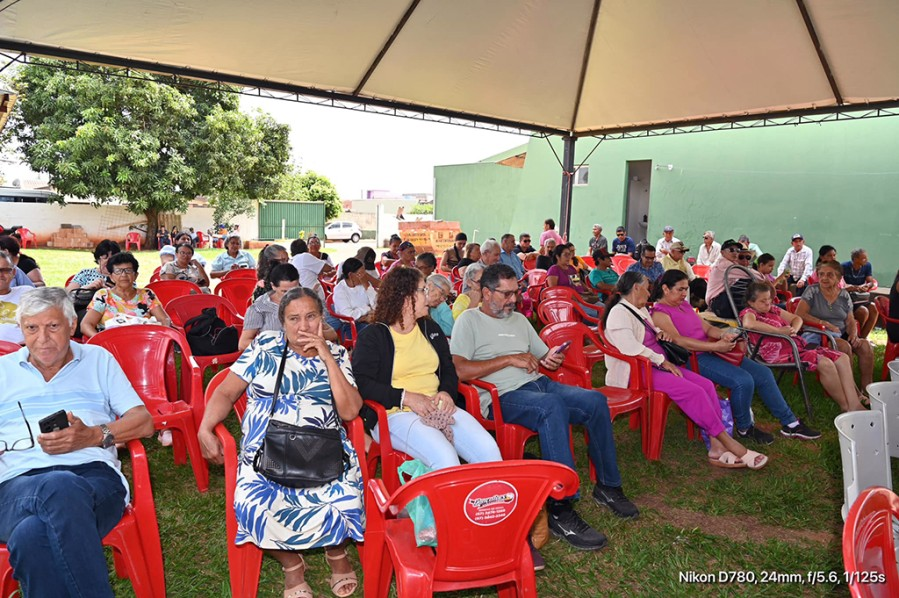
{"x":695,"y":396}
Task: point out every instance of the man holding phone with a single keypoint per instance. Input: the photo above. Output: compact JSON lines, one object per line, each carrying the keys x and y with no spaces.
{"x":498,"y":345}
{"x":61,"y":491}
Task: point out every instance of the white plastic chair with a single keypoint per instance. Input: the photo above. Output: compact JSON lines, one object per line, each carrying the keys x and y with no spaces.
{"x":885,"y":399}
{"x":866,"y":461}
{"x":894,"y":370}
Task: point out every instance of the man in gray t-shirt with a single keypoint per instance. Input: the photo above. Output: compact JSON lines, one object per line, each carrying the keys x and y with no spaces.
{"x":495,"y":344}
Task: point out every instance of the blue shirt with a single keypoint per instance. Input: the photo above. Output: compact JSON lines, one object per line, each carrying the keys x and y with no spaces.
{"x":20,"y":279}
{"x":854,"y":278}
{"x":513,"y":262}
{"x":623,"y":246}
{"x":223,"y":262}
{"x":92,"y":386}
{"x":443,"y":315}
{"x":653,"y":274}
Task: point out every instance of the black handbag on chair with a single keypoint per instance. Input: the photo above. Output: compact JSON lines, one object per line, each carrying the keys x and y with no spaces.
{"x":673,"y":352}
{"x":299,"y":456}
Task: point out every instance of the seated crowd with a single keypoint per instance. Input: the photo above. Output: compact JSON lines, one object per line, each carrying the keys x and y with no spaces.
{"x":419,"y":326}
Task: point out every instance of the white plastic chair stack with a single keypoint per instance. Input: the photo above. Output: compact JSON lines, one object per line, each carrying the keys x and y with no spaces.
{"x":885,"y":399}
{"x":894,"y":370}
{"x":863,"y":451}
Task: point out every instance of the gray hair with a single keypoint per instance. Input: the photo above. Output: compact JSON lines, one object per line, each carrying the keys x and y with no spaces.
{"x":298,"y":293}
{"x":857,"y":252}
{"x":441,"y":281}
{"x":489,"y":245}
{"x":5,"y":255}
{"x":709,"y":233}
{"x":470,"y":272}
{"x":41,"y":299}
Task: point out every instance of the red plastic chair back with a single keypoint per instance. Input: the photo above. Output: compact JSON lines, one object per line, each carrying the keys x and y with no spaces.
{"x":564,"y":310}
{"x":621,"y":262}
{"x":701,"y":271}
{"x":882,"y":304}
{"x":202,"y":241}
{"x":238,"y":291}
{"x":536,"y":283}
{"x":792,"y":304}
{"x":241,"y":273}
{"x":155,"y":277}
{"x":166,"y":290}
{"x":68,"y":280}
{"x":181,"y":309}
{"x":328,"y":283}
{"x":588,"y":261}
{"x":483,"y":513}
{"x":869,"y":546}
{"x":350,"y":342}
{"x":137,"y":552}
{"x":27,"y":237}
{"x":7,"y":347}
{"x":455,"y":276}
{"x":558,"y":292}
{"x":132,"y":238}
{"x":530,"y":261}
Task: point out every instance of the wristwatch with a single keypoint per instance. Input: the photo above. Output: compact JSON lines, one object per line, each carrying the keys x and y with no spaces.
{"x":108,"y":437}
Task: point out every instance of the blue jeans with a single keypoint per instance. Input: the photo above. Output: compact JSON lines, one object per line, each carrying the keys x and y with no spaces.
{"x":470,"y":440}
{"x":53,"y":521}
{"x":548,"y":408}
{"x":743,"y":381}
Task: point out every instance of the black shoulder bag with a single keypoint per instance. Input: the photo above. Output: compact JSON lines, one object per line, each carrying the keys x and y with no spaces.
{"x":673,"y":352}
{"x":299,"y":456}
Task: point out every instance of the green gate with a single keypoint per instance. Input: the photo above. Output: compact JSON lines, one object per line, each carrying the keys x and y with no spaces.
{"x":287,"y":219}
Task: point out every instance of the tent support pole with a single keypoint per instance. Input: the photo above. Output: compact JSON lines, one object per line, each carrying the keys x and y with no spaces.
{"x":567,"y":181}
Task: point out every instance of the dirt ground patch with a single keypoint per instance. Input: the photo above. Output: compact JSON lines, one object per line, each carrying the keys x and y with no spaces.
{"x":743,"y":526}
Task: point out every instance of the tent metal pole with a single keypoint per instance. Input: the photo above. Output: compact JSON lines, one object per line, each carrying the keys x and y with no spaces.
{"x":567,"y":181}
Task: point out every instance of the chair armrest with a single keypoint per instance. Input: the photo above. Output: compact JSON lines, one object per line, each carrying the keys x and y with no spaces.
{"x":142,"y":495}
{"x":567,"y":371}
{"x":494,"y":399}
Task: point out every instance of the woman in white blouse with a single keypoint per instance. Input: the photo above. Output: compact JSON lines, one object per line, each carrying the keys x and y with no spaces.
{"x":354,"y":295}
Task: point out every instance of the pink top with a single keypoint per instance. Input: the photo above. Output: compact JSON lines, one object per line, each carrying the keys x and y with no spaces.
{"x":550,"y":234}
{"x":567,"y":278}
{"x":684,"y":318}
{"x":716,"y":277}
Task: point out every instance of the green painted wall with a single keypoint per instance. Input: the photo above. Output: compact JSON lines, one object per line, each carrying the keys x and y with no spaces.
{"x":836,"y":183}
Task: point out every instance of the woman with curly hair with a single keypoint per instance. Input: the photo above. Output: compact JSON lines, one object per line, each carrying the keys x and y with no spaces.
{"x":269,"y":257}
{"x":403,"y":361}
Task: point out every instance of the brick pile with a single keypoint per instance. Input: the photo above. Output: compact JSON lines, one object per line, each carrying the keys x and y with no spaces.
{"x":70,"y":236}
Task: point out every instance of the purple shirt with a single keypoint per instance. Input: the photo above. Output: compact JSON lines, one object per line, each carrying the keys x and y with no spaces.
{"x":685,"y":320}
{"x":567,"y":277}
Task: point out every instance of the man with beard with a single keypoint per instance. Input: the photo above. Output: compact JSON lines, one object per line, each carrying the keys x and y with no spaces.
{"x":498,"y":345}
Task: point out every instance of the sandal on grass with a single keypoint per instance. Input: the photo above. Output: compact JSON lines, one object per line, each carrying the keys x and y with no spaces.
{"x":727,"y":460}
{"x":302,"y":590}
{"x":751,"y":459}
{"x":342,"y":584}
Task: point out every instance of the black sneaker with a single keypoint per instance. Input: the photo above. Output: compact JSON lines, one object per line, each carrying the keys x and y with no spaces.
{"x":753,"y":433}
{"x":536,"y":557}
{"x":615,"y":499}
{"x":565,"y":523}
{"x":800,"y":431}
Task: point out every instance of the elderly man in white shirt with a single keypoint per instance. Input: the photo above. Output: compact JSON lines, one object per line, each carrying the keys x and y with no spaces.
{"x":799,"y":261}
{"x":663,"y":246}
{"x":709,"y":251}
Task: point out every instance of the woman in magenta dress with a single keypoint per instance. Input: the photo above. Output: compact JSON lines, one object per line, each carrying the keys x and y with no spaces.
{"x":833,"y":367}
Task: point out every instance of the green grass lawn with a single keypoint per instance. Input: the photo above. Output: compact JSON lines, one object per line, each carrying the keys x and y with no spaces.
{"x":782,"y":520}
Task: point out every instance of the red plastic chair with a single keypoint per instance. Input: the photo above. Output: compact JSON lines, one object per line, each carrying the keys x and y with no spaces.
{"x":455,"y":276}
{"x":892,"y":349}
{"x":137,"y":552}
{"x":238,"y":291}
{"x":565,"y":310}
{"x":182,"y":309}
{"x":27,"y":237}
{"x":328,"y":282}
{"x":166,"y":290}
{"x":530,"y":261}
{"x":483,"y":513}
{"x":202,"y":241}
{"x":382,"y":270}
{"x":701,"y":271}
{"x":588,"y":261}
{"x":155,"y":277}
{"x":240,"y":273}
{"x":132,"y":238}
{"x":145,"y":353}
{"x":389,"y":457}
{"x":621,"y":262}
{"x":659,"y":402}
{"x":536,"y":283}
{"x":350,"y":342}
{"x":7,"y":347}
{"x":869,"y":547}
{"x":245,"y":560}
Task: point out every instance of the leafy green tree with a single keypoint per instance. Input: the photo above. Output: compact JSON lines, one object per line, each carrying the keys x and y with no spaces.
{"x":149,"y":143}
{"x":311,"y":186}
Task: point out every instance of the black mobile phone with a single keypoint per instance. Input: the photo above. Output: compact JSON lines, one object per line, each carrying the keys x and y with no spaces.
{"x":563,"y":347}
{"x":54,"y":422}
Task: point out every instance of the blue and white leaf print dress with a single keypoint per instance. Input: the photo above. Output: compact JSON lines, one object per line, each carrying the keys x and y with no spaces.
{"x":273,"y":516}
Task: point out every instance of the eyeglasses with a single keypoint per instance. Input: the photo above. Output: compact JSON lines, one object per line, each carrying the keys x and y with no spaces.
{"x":744,"y":258}
{"x":124,"y":271}
{"x":506,"y":294}
{"x":525,"y":240}
{"x":731,"y":250}
{"x":20,"y":444}
{"x":423,"y":290}
{"x":6,"y":271}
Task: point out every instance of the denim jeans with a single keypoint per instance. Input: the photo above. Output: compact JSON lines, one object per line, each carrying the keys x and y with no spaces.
{"x":53,"y":521}
{"x":548,"y":408}
{"x":743,"y":381}
{"x":470,"y":440}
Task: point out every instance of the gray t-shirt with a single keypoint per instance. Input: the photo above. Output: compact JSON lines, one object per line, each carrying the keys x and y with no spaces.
{"x":262,"y":315}
{"x":479,"y":337}
{"x":834,"y":313}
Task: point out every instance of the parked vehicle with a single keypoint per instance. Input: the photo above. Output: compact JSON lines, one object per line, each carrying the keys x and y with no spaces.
{"x":342,"y":230}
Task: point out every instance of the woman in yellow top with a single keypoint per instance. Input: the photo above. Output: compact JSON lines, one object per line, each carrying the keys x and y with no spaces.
{"x":470,"y":297}
{"x":403,"y":362}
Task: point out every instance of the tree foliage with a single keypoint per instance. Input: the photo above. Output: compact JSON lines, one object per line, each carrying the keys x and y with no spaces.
{"x":149,"y":143}
{"x":311,"y":186}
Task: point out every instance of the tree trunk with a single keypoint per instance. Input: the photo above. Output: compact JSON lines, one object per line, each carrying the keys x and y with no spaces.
{"x":152,"y":227}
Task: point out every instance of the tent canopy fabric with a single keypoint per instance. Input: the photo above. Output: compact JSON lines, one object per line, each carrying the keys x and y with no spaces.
{"x":576,"y":67}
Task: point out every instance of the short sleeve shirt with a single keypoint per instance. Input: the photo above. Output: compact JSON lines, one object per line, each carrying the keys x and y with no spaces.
{"x":191,"y":273}
{"x":9,"y":303}
{"x":111,"y":305}
{"x":262,"y":315}
{"x":857,"y":277}
{"x":224,"y":262}
{"x":607,"y":276}
{"x":835,"y":313}
{"x":479,"y":337}
{"x":87,"y":276}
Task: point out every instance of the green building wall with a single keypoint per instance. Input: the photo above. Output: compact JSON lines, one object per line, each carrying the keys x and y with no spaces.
{"x":836,"y":183}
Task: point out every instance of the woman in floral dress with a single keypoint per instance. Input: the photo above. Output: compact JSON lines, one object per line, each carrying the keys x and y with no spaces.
{"x":833,"y":367}
{"x":286,"y":521}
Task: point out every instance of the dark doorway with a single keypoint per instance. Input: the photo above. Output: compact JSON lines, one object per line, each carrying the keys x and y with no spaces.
{"x":639,"y":173}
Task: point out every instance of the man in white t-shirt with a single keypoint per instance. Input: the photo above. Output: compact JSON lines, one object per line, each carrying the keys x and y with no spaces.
{"x":709,"y":251}
{"x":663,"y":246}
{"x":310,"y":268}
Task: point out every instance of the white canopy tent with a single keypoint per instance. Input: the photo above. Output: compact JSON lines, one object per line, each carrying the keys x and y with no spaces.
{"x":566,"y":67}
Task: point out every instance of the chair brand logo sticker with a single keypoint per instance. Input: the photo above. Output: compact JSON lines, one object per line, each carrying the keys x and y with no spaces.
{"x":491,"y":502}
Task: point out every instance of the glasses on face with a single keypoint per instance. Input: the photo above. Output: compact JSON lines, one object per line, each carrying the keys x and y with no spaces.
{"x":423,"y":290}
{"x":620,"y":234}
{"x":707,"y":238}
{"x":731,"y":250}
{"x":744,"y":258}
{"x":6,"y":271}
{"x":525,"y":241}
{"x":124,"y":271}
{"x":506,"y":294}
{"x":22,"y":444}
